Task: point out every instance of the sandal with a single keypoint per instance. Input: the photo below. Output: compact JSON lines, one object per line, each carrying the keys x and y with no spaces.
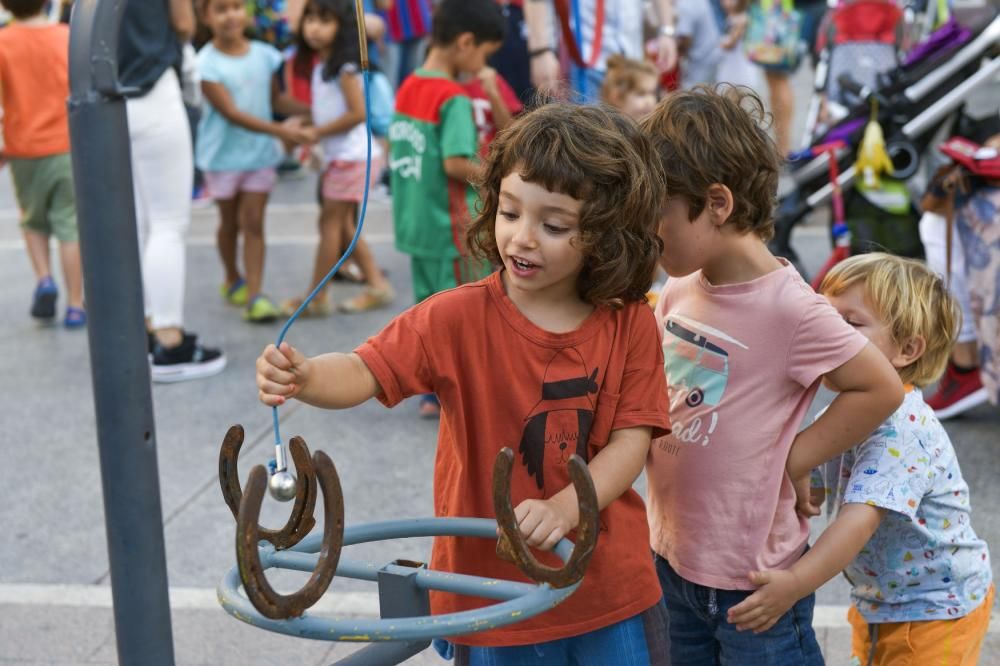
{"x":349,"y":274}
{"x":235,"y":293}
{"x":318,"y":307}
{"x":369,"y":299}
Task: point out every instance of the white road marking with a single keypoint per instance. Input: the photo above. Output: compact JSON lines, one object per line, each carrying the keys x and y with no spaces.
{"x":181,"y":598}
{"x":364,"y":604}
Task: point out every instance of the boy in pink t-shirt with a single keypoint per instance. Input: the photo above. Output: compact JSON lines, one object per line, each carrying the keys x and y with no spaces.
{"x":746,"y":343}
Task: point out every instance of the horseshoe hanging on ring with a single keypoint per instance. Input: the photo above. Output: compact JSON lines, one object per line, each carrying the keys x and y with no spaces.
{"x":264,"y":598}
{"x":301,"y":519}
{"x":511,"y":545}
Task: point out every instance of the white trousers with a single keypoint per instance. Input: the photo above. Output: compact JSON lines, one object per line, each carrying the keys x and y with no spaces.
{"x":933,"y":231}
{"x":162,"y":178}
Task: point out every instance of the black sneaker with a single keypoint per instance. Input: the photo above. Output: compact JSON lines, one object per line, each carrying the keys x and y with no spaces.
{"x":188,"y":360}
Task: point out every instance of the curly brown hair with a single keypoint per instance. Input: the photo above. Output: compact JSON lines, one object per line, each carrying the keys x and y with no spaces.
{"x":598,"y":156}
{"x":710,"y":135}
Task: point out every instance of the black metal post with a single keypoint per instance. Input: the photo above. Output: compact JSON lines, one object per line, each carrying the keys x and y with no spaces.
{"x":116,"y":330}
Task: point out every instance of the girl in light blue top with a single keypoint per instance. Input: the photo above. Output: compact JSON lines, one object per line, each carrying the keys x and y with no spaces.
{"x":237,"y":145}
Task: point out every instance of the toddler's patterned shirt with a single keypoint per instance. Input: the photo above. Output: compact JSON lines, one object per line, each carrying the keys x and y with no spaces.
{"x":924,"y":562}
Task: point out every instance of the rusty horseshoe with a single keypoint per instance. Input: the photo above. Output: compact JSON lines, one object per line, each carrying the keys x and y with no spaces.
{"x":264,"y":598}
{"x":301,"y":519}
{"x":511,"y":545}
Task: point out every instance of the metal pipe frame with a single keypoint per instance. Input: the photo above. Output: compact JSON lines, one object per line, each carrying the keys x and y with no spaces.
{"x":520,"y":601}
{"x":117,"y":336}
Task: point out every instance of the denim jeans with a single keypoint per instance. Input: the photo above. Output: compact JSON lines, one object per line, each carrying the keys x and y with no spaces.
{"x":638,"y":641}
{"x":701,"y":636}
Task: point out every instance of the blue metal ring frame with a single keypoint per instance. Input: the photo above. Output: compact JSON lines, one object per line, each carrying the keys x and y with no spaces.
{"x":519,"y":601}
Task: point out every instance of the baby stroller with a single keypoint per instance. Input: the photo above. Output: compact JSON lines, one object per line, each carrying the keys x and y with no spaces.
{"x":912,"y":103}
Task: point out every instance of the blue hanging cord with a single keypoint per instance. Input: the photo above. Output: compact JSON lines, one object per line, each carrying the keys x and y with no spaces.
{"x":579,"y":71}
{"x":350,"y":248}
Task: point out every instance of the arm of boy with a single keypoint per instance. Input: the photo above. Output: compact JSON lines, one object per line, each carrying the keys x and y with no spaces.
{"x":461,"y":168}
{"x":779,"y":590}
{"x":354,"y":96}
{"x":220,"y":99}
{"x":331,"y":381}
{"x":544,"y":522}
{"x":869,"y":391}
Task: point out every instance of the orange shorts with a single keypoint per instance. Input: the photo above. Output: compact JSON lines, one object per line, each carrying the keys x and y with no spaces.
{"x":944,"y":642}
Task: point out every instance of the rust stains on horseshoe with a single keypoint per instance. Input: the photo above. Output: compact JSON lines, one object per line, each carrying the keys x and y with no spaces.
{"x":264,"y":598}
{"x":301,"y":520}
{"x":511,"y":545}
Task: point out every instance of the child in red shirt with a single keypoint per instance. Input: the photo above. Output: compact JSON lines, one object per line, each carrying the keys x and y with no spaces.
{"x":555,"y":353}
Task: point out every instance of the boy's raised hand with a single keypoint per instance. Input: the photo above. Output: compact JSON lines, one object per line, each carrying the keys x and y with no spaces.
{"x":488,"y":78}
{"x":544,"y":522}
{"x":778,"y":591}
{"x":281,"y":374}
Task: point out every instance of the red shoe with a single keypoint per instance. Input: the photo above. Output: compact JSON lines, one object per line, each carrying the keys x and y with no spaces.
{"x":957,"y":392}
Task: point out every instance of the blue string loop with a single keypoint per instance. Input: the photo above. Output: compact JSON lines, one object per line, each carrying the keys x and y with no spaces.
{"x":350,"y":248}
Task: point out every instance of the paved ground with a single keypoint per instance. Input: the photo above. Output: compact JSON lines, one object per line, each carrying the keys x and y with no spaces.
{"x":54,"y":594}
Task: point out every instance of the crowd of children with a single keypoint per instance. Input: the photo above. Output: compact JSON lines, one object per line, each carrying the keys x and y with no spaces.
{"x":706,"y":394}
{"x":534,"y":236}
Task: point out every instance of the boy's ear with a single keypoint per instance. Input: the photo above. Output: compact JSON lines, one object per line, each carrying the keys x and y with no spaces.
{"x":910,"y":350}
{"x":465,"y":40}
{"x":719,"y":203}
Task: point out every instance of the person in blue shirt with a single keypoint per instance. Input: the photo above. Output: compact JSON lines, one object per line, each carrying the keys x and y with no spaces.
{"x":237,"y":147}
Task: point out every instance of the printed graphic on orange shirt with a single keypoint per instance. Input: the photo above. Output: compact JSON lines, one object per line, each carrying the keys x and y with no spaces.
{"x":559,"y":424}
{"x":697,"y":371}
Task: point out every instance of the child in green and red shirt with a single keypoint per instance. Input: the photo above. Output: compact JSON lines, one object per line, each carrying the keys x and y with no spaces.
{"x":433,"y":150}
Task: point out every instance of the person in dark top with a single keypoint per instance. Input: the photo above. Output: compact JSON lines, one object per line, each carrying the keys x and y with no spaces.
{"x":149,"y":55}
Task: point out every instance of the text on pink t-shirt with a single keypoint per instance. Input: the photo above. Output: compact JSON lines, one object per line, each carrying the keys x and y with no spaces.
{"x":743,"y":362}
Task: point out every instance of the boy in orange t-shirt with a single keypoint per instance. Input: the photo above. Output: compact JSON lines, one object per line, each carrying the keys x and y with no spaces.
{"x":34,"y":85}
{"x":555,"y":353}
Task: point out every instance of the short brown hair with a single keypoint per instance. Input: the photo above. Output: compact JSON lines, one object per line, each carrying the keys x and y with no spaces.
{"x":910,"y":299}
{"x":622,"y":77}
{"x":598,"y":156}
{"x":718,"y":134}
{"x":23,"y":9}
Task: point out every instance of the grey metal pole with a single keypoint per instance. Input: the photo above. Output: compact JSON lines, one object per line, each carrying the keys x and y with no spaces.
{"x":116,"y":331}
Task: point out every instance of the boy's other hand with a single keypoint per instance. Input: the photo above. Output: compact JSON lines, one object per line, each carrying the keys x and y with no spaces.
{"x":543,"y":522}
{"x":281,"y":374}
{"x":779,"y":590}
{"x":808,"y":500}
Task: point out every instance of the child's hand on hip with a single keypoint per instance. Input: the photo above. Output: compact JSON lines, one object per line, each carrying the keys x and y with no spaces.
{"x":281,"y":374}
{"x":543,"y":522}
{"x":808,"y":500}
{"x":778,"y":591}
